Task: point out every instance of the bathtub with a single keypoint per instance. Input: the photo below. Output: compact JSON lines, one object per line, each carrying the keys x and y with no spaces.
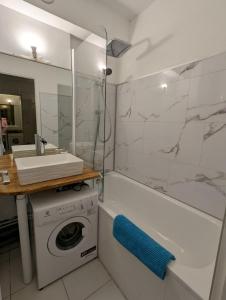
{"x":192,"y":236}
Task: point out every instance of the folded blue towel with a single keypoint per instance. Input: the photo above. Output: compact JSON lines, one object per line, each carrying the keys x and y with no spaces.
{"x":153,"y":255}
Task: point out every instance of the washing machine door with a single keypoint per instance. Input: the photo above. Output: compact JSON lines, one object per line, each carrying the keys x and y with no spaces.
{"x":69,"y":236}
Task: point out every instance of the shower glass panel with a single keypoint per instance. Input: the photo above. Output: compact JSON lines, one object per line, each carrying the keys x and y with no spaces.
{"x":90,"y":96}
{"x":89,"y":133}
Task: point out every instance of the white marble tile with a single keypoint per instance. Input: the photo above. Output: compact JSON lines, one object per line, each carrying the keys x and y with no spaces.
{"x":210,"y":65}
{"x":190,"y":144}
{"x":54,"y":291}
{"x":214,"y":146}
{"x":207,"y":90}
{"x":121,"y":162}
{"x":184,"y":130}
{"x":147,"y":104}
{"x":161,"y":104}
{"x":130,"y":135}
{"x":86,"y":280}
{"x":109,"y":291}
{"x":162,"y":139}
{"x":49,"y":117}
{"x":148,"y":169}
{"x":185,"y":71}
{"x":86,"y":103}
{"x":197,"y":187}
{"x":125,"y":97}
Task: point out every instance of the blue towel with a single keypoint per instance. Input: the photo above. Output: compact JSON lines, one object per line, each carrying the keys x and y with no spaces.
{"x":153,"y":255}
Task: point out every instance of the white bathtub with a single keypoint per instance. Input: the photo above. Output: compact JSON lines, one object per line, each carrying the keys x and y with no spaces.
{"x":189,"y":234}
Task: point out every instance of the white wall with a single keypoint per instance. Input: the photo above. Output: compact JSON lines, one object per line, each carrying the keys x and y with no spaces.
{"x":46,"y":77}
{"x":91,"y":15}
{"x":90,"y":59}
{"x":170,"y":33}
{"x":18,"y":32}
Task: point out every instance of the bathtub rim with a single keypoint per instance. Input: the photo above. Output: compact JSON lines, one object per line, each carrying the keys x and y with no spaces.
{"x":200,"y":293}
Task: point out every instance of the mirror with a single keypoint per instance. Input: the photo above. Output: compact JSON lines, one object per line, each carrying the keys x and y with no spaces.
{"x":17,"y":111}
{"x":35,"y":81}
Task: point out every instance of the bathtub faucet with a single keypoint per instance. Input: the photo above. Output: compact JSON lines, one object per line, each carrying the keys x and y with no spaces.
{"x":39,"y":141}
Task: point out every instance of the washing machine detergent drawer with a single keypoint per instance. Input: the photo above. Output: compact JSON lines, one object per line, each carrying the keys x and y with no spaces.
{"x":82,"y":204}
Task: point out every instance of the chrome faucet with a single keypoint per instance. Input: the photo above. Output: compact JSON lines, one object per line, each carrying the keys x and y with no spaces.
{"x":39,"y":142}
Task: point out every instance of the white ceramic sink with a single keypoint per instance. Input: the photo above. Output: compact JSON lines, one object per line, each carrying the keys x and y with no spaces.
{"x":41,"y":168}
{"x":30,"y":150}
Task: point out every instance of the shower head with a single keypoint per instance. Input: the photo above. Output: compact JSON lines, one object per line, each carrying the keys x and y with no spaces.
{"x":108,"y":71}
{"x":116,"y":48}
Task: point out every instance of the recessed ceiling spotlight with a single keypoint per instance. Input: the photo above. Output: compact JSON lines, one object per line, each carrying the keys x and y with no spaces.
{"x":48,"y":1}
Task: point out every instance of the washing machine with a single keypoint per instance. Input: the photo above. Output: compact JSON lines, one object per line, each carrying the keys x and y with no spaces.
{"x":64,"y":231}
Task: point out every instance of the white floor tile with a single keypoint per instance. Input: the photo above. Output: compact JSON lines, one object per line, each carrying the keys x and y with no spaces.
{"x":54,"y":291}
{"x":16,"y":273}
{"x":5,"y":278}
{"x":109,"y":291}
{"x":86,"y":280}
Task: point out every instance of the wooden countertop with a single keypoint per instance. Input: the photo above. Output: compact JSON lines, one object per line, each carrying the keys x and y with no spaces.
{"x":14,"y":187}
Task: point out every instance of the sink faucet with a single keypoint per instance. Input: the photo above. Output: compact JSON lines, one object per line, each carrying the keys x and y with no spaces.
{"x":39,"y":141}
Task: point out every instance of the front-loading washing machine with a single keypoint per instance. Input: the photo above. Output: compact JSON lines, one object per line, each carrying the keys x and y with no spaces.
{"x":64,"y":231}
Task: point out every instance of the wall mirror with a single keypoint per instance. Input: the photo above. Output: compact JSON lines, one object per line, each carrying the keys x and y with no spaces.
{"x":35,"y":80}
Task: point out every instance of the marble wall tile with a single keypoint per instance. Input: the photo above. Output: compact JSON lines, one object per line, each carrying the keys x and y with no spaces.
{"x":125,"y":96}
{"x":198,"y":187}
{"x":214,"y":146}
{"x":208,"y":90}
{"x":171,"y":133}
{"x":65,"y":122}
{"x":162,"y":139}
{"x":190,"y":143}
{"x":130,"y":136}
{"x":211,"y":64}
{"x":49,"y":117}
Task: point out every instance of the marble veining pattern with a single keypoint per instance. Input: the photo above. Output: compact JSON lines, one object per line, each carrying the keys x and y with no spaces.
{"x":171,"y":133}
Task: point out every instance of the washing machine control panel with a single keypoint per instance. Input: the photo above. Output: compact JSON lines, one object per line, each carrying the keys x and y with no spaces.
{"x":66,"y":209}
{"x":80,"y":206}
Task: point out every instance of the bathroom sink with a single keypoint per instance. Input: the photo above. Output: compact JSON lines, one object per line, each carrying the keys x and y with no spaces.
{"x":41,"y":168}
{"x":30,"y":150}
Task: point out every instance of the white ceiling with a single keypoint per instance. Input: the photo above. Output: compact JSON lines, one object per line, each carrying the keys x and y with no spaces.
{"x":128,"y":8}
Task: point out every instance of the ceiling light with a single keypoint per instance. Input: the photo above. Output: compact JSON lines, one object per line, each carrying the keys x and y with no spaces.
{"x":101,"y":67}
{"x":30,"y":40}
{"x":164,"y":86}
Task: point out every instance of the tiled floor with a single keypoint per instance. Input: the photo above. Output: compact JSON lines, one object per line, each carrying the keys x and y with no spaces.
{"x":90,"y":282}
